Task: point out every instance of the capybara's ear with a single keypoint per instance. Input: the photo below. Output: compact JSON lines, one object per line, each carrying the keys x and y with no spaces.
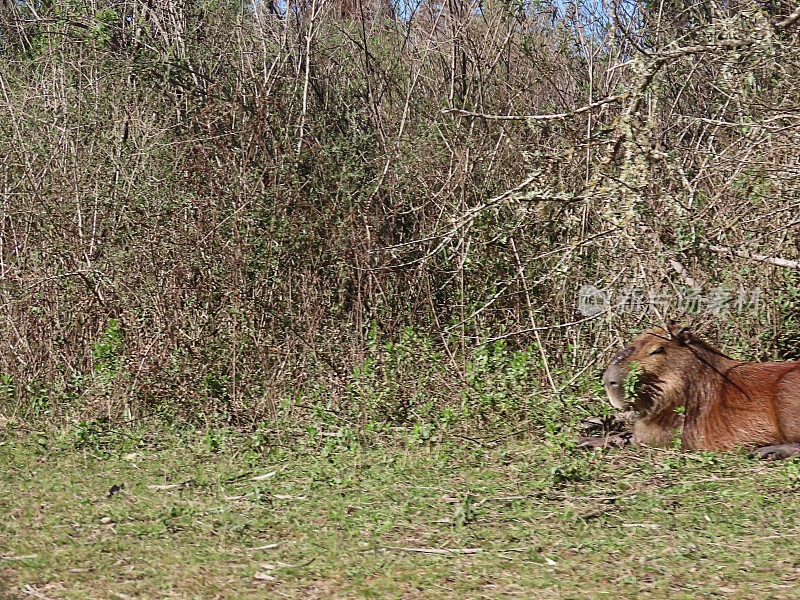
{"x":684,"y":335}
{"x":680,"y":334}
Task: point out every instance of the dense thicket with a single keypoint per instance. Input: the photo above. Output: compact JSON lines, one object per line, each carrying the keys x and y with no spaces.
{"x":382,"y":210}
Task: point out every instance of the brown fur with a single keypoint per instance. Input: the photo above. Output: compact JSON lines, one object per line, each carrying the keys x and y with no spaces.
{"x":713,"y":402}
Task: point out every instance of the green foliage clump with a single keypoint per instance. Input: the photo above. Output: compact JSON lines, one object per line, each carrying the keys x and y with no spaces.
{"x":633,"y":381}
{"x":108,"y":351}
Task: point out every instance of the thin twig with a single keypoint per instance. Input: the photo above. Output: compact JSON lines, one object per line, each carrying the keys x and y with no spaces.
{"x":441,"y":551}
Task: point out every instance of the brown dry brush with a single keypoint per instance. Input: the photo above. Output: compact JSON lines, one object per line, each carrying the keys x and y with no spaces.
{"x":234,"y":212}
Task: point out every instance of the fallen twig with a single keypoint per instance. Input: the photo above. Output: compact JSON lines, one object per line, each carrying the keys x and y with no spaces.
{"x":441,"y":551}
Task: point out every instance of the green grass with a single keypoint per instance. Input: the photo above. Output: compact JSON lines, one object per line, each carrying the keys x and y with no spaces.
{"x":392,"y":518}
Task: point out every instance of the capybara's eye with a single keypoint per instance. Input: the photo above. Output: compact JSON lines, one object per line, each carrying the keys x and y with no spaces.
{"x":659,"y":350}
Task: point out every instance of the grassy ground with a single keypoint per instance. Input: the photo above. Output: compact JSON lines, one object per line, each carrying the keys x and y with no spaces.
{"x":89,"y":512}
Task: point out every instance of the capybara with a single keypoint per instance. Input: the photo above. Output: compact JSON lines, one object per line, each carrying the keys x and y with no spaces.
{"x":683,"y":388}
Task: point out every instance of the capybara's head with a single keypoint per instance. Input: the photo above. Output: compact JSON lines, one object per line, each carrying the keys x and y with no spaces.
{"x":660,"y":357}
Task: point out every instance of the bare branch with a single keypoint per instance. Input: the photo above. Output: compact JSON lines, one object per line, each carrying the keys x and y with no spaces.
{"x":772,"y":260}
{"x":791,"y":19}
{"x":550,"y":117}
